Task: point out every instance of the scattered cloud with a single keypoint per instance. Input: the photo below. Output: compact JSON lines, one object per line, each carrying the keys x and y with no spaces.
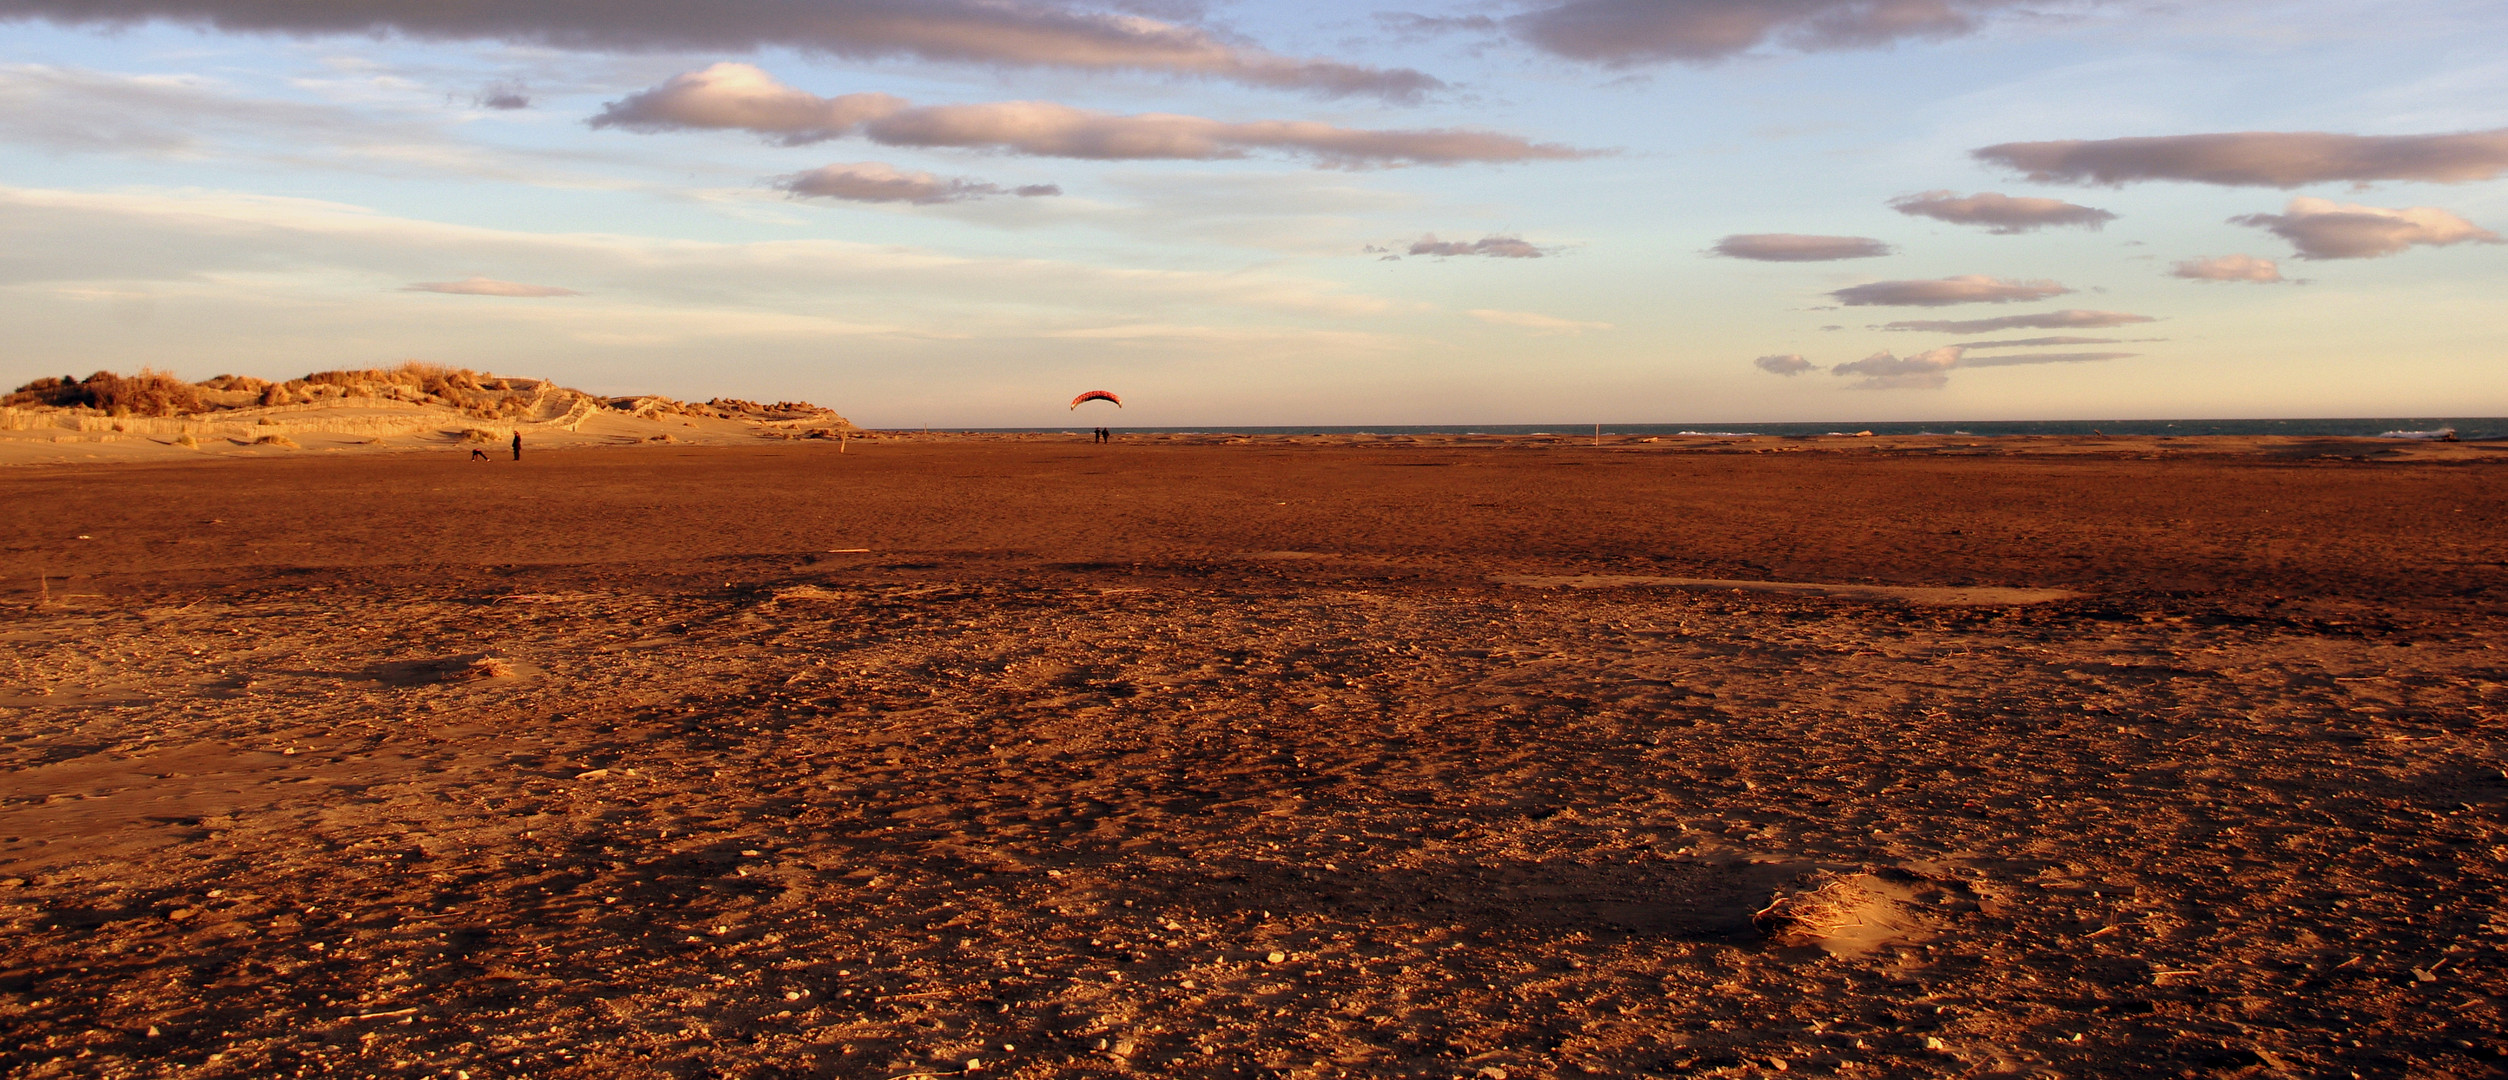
{"x":2043,"y":358}
{"x":2324,"y":229}
{"x":2259,"y":158}
{"x":234,"y":245}
{"x":742,"y":97}
{"x":1620,"y":33}
{"x":1501,"y":247}
{"x":1790,"y":247}
{"x":505,"y":95}
{"x":1783,"y":364}
{"x":2003,"y":215}
{"x":2229,"y":268}
{"x":1930,"y":370}
{"x":65,"y":108}
{"x":2068,"y":319}
{"x":2036,"y":342}
{"x":1965,"y":289}
{"x":483,"y":286}
{"x":1030,"y":191}
{"x":1024,"y":33}
{"x":873,"y":181}
{"x":1535,"y":321}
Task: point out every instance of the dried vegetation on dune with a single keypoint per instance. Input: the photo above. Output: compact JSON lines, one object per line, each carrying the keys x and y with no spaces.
{"x":151,"y":400}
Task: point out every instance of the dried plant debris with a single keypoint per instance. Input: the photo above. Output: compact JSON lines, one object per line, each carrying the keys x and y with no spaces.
{"x":1845,"y":913}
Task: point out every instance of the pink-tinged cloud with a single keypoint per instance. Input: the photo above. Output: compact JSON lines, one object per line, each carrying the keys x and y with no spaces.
{"x":2282,"y":159}
{"x":1941,"y":292}
{"x":2324,"y":229}
{"x":1930,"y":370}
{"x":1499,"y":247}
{"x":2042,"y":358}
{"x":2068,"y":319}
{"x":1792,"y":247}
{"x":1620,"y":33}
{"x":2003,"y":215}
{"x":1533,"y":320}
{"x":873,"y":181}
{"x":2246,"y":268}
{"x":2036,"y":342}
{"x":741,"y":97}
{"x":485,"y":286}
{"x":745,"y":98}
{"x":1009,"y":33}
{"x":1783,"y":364}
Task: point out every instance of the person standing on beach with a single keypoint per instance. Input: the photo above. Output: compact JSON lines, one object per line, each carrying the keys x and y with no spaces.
{"x":518,"y":446}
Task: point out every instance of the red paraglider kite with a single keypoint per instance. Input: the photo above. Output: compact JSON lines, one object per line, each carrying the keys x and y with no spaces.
{"x":1097,"y":395}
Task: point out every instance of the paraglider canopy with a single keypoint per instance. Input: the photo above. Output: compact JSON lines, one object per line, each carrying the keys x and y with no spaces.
{"x":1097,"y":395}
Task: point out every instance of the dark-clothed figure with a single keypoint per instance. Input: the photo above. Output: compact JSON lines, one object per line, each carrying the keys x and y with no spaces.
{"x":518,"y":446}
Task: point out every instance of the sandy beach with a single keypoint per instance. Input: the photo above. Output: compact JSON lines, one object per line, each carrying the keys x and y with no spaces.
{"x":1216,"y":757}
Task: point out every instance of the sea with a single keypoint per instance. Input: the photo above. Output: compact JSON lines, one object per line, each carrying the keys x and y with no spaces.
{"x":2399,"y":427}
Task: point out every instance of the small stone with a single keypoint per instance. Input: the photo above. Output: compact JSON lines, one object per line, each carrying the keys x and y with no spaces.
{"x":1124,"y":1047}
{"x":792,"y":995}
{"x":152,"y":1031}
{"x":1492,"y":1072}
{"x":1275,"y":956}
{"x":975,"y":1064}
{"x":2420,"y":975}
{"x":1932,"y":1043}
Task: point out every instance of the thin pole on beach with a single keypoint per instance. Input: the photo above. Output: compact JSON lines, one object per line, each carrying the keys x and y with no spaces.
{"x":1597,"y":436}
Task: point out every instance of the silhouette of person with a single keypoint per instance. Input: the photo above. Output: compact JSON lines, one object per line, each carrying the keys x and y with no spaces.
{"x":518,"y":446}
{"x":477,"y":454}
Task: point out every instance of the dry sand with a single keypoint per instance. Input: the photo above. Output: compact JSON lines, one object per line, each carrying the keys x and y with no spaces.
{"x":1209,"y":757}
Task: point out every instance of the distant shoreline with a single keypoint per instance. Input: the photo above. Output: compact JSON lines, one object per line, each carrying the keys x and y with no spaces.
{"x":2467,"y":428}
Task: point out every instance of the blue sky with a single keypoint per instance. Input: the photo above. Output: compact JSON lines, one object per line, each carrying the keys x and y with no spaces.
{"x":961,"y":214}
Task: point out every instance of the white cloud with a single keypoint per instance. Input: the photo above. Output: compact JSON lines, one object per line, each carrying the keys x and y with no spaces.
{"x":2003,"y":215}
{"x":1534,"y":321}
{"x":66,"y":238}
{"x":994,"y":32}
{"x":1965,"y":289}
{"x":484,"y":286}
{"x":873,"y":181}
{"x":1783,"y":364}
{"x":2068,"y":319}
{"x":2037,"y":342}
{"x":2246,"y":268}
{"x":2282,"y":159}
{"x":1931,"y":369}
{"x":2324,"y":229}
{"x":731,"y":96}
{"x":1625,"y":32}
{"x":1497,"y":247}
{"x":1792,"y":247}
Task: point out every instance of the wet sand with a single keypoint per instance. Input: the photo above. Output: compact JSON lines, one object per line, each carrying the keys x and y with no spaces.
{"x":1445,"y":758}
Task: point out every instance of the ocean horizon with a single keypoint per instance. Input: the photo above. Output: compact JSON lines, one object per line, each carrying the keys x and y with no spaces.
{"x":2466,"y":428}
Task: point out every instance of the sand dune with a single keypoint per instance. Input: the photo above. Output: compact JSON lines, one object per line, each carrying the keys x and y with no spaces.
{"x":414,"y":407}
